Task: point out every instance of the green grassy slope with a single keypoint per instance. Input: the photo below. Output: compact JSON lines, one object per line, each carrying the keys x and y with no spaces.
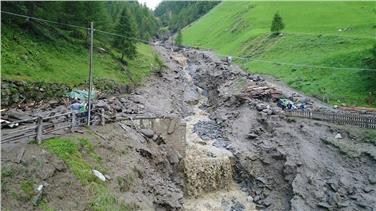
{"x":25,"y":57}
{"x":314,"y":34}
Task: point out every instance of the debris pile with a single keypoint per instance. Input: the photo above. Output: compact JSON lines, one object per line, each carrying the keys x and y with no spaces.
{"x":261,"y":92}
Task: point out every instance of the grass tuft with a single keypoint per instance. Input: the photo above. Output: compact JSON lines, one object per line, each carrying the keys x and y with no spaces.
{"x":67,"y":150}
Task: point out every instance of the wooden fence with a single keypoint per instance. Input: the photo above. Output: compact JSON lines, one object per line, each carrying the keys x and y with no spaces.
{"x":362,"y":120}
{"x":41,"y":128}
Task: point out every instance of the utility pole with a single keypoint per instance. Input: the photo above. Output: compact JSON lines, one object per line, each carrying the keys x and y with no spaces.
{"x":90,"y":72}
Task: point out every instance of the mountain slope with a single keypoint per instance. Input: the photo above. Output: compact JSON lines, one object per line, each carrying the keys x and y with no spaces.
{"x":177,"y":14}
{"x":25,"y":57}
{"x":334,"y":34}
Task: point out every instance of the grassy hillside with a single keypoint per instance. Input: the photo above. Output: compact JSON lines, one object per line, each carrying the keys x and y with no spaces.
{"x":65,"y":59}
{"x":335,"y":34}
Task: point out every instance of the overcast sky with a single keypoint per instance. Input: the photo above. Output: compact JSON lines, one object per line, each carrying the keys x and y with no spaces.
{"x":152,"y":4}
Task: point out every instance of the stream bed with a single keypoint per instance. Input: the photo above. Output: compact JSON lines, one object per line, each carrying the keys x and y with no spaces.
{"x":208,"y":169}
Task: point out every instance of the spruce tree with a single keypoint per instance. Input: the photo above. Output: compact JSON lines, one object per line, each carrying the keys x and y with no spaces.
{"x":126,"y":27}
{"x":277,"y":24}
{"x":179,"y":38}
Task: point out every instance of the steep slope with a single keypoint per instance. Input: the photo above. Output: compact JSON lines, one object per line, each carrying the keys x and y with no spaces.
{"x":29,"y":58}
{"x":177,"y":14}
{"x":334,"y":34}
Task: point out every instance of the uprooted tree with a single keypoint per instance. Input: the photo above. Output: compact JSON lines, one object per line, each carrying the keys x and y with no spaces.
{"x":126,"y":43}
{"x":277,"y":24}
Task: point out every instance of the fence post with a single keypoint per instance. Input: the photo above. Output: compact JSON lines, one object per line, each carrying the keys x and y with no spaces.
{"x":39,"y":130}
{"x":102,"y":117}
{"x":73,"y":121}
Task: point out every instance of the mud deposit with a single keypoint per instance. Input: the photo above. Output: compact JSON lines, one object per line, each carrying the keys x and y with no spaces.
{"x":241,"y":153}
{"x":283,"y":163}
{"x":208,"y":170}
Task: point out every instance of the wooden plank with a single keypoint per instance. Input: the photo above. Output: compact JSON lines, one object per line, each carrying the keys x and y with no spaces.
{"x":15,"y":131}
{"x":20,"y":137}
{"x":20,"y":155}
{"x":39,"y":130}
{"x":56,"y":116}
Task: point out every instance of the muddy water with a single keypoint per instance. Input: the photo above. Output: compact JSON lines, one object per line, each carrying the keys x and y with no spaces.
{"x":208,"y":169}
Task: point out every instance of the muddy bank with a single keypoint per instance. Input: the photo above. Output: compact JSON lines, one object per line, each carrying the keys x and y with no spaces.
{"x":141,"y":173}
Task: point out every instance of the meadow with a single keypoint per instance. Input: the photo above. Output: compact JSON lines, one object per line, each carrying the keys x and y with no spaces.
{"x":316,"y":37}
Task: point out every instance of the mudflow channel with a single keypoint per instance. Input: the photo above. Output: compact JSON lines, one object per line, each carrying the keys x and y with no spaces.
{"x":208,"y":169}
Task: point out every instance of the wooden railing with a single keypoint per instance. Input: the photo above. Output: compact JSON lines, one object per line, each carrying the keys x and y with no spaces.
{"x":362,"y":120}
{"x":40,"y":128}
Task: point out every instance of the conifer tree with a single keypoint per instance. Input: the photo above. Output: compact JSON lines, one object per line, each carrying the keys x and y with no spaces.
{"x":277,"y":24}
{"x":179,"y":38}
{"x":126,"y":27}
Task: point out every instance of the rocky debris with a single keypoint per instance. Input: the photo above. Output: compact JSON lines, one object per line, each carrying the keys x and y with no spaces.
{"x":149,"y":133}
{"x":255,"y":78}
{"x":191,"y":96}
{"x":208,"y":130}
{"x":17,"y":114}
{"x":287,"y":179}
{"x":232,"y":205}
{"x":372,"y":179}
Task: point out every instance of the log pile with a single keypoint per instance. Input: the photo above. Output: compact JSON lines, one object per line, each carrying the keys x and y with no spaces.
{"x":261,"y":93}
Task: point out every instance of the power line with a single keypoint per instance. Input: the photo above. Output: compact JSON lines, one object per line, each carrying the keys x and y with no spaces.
{"x":71,"y":25}
{"x":238,"y":57}
{"x":330,"y":35}
{"x":43,"y":20}
{"x":119,"y":35}
{"x":297,"y":65}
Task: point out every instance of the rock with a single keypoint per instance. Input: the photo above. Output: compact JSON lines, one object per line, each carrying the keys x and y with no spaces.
{"x":372,"y":179}
{"x":262,"y":180}
{"x":324,"y":205}
{"x":252,"y":136}
{"x":368,"y":189}
{"x":267,"y":203}
{"x":46,"y":171}
{"x":338,"y":136}
{"x":17,"y":114}
{"x":250,"y":199}
{"x":191,"y":97}
{"x":137,"y":99}
{"x":343,"y":204}
{"x":145,"y":153}
{"x":268,"y":111}
{"x":59,"y":165}
{"x":99,"y":175}
{"x":261,"y":106}
{"x":149,"y":133}
{"x":102,"y":104}
{"x":173,"y":158}
{"x":123,"y":100}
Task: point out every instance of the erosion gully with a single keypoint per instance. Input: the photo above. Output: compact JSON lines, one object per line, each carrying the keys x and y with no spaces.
{"x":208,"y":169}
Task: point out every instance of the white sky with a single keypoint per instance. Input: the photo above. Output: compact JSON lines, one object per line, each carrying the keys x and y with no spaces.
{"x":152,"y":4}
